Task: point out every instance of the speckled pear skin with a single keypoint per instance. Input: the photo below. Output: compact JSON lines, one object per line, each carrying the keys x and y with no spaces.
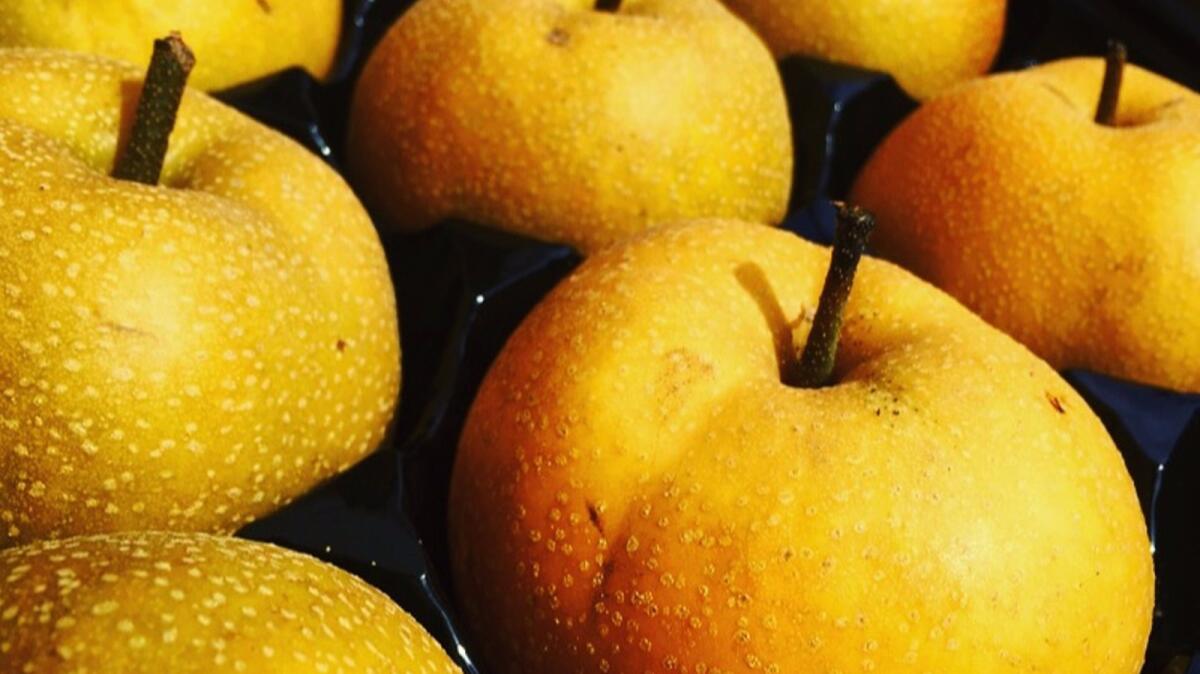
{"x":235,"y":41}
{"x":637,"y":491}
{"x":148,"y":603}
{"x":927,"y":45}
{"x":550,"y":119}
{"x":187,"y":356}
{"x":1080,"y":240}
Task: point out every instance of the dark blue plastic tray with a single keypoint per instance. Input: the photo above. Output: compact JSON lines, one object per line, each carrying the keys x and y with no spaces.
{"x":462,"y":289}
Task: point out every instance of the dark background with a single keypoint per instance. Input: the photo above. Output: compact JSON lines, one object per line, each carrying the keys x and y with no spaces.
{"x":462,"y":289}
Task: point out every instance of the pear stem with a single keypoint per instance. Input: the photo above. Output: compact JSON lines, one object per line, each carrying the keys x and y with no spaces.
{"x":607,"y":5}
{"x":162,"y":91}
{"x":1110,"y":92}
{"x":815,"y":365}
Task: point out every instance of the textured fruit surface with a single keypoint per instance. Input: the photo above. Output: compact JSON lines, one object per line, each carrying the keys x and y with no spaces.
{"x":183,"y":356}
{"x":235,"y":40}
{"x":550,"y":119}
{"x":152,"y":603}
{"x":927,"y":45}
{"x":637,"y":491}
{"x":1080,"y":240}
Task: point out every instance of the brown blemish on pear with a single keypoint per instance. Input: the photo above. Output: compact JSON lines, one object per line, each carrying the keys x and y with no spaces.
{"x":1056,"y":403}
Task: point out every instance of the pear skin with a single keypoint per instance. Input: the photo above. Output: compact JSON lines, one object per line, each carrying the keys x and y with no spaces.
{"x":190,"y":355}
{"x":236,"y":41}
{"x":928,"y":46}
{"x":148,"y":603}
{"x":636,"y":490}
{"x":1080,"y":240}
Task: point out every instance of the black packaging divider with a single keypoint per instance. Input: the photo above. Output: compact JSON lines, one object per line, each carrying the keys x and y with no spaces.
{"x":462,"y":289}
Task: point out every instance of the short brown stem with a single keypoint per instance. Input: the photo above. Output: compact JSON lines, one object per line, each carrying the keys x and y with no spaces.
{"x":142,"y":158}
{"x":1110,"y":92}
{"x":607,"y":5}
{"x":814,"y":366}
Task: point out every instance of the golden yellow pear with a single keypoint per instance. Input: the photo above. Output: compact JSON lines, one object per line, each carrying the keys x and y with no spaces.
{"x":188,"y":355}
{"x":639,"y":488}
{"x":236,"y":40}
{"x":1081,"y":240}
{"x":155,"y":603}
{"x":926,"y":45}
{"x":567,"y":122}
